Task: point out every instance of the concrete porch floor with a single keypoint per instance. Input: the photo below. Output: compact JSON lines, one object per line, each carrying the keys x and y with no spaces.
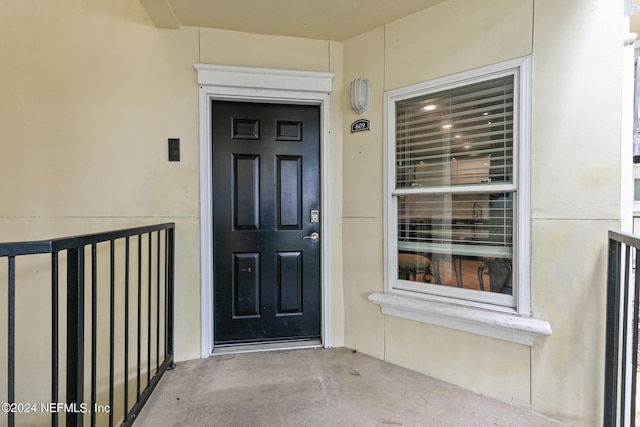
{"x":318,"y":387}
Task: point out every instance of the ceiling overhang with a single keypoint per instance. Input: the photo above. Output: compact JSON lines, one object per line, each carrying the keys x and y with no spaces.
{"x":336,"y":20}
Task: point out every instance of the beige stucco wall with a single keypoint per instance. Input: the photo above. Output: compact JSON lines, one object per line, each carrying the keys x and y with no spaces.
{"x":575,"y":155}
{"x":90,"y":93}
{"x":579,"y":131}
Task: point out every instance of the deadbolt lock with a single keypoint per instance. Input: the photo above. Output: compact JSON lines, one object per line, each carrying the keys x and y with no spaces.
{"x":315,"y":216}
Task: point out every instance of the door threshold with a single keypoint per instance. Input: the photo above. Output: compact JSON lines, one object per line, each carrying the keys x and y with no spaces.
{"x":265,"y":346}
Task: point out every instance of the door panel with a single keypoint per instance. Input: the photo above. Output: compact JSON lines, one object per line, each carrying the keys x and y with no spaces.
{"x":289,"y":178}
{"x":246,"y":285}
{"x":266,"y":181}
{"x":289,"y":283}
{"x":246,"y":192}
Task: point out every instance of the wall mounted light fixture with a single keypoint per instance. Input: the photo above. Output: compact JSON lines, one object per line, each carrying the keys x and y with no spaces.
{"x":360,"y":95}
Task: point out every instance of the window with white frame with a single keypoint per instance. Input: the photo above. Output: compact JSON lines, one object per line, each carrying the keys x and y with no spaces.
{"x":457,"y":196}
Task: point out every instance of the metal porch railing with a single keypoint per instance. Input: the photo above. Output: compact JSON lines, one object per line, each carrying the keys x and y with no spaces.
{"x":621,"y":361}
{"x":109,"y":298}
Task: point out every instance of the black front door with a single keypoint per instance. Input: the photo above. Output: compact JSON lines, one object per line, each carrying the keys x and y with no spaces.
{"x":266,"y":204}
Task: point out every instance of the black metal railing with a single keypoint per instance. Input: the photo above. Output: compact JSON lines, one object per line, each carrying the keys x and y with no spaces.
{"x":129,"y":297}
{"x":623,"y":286}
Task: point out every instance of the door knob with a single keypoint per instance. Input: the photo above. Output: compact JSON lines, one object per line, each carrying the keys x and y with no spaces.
{"x":314,"y":236}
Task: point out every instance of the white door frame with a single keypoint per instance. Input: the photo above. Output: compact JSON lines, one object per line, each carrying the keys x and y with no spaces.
{"x":221,"y":82}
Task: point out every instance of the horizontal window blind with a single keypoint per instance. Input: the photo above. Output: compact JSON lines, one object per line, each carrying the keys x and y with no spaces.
{"x":462,"y":136}
{"x":429,"y":223}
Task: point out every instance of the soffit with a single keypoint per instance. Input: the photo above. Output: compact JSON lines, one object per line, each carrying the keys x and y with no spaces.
{"x":324,"y":20}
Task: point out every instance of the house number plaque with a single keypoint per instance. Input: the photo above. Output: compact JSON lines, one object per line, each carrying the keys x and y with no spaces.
{"x":360,"y":125}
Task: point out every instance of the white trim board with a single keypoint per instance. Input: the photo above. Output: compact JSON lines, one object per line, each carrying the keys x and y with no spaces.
{"x":221,"y":82}
{"x":503,"y":326}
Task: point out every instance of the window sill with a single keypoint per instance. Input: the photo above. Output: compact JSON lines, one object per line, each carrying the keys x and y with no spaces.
{"x":504,"y":326}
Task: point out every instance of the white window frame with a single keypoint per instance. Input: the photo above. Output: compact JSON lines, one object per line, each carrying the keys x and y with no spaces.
{"x":486,"y":313}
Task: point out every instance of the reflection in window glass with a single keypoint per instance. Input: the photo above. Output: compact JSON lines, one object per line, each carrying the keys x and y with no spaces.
{"x":462,"y":240}
{"x":452,"y":147}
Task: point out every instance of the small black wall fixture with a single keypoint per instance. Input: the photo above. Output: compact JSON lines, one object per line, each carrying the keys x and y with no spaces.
{"x":174,"y":149}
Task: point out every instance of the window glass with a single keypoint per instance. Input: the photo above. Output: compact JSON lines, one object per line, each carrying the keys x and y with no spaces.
{"x":454,"y":137}
{"x":459,"y":238}
{"x":453,"y":149}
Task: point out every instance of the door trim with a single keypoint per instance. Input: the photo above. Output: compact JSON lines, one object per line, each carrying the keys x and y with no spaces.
{"x":221,"y":82}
